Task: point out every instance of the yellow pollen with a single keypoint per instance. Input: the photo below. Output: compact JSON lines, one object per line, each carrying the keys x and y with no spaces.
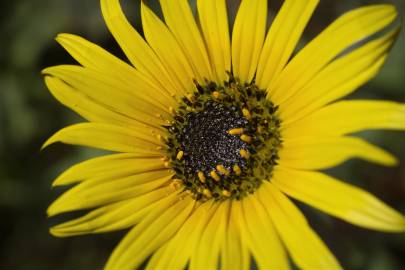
{"x":164,"y":159}
{"x":207,"y":193}
{"x":222,"y":169}
{"x":189,"y":109}
{"x":243,"y":153}
{"x":160,"y":138}
{"x":201,"y":176}
{"x":246,"y":138}
{"x":246,"y":113}
{"x":216,"y":95}
{"x":171,"y":110}
{"x":226,"y":193}
{"x":237,"y":169}
{"x":159,"y":148}
{"x":167,"y":164}
{"x":235,"y":131}
{"x":260,"y":129}
{"x":176,"y":184}
{"x":215,"y":176}
{"x":191,"y":98}
{"x":180,"y":155}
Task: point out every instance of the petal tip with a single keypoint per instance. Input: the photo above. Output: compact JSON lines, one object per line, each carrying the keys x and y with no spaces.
{"x":58,"y":232}
{"x":53,"y":139}
{"x":45,"y":71}
{"x":62,"y":205}
{"x":50,"y":212}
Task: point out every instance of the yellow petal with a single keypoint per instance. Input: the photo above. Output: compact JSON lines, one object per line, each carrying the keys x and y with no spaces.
{"x":118,"y":95}
{"x":110,"y":167}
{"x":84,"y":105}
{"x":350,"y":28}
{"x":91,"y":194}
{"x":261,"y":236}
{"x":316,"y":153}
{"x":247,"y":38}
{"x":116,"y":216}
{"x":340,"y":78}
{"x":168,"y":49}
{"x":282,"y":38}
{"x":206,"y":253}
{"x":339,"y":199}
{"x":304,"y":245}
{"x":94,"y":57}
{"x":106,"y":137}
{"x":151,"y":233}
{"x":177,"y":252}
{"x":92,"y":188}
{"x":135,"y":47}
{"x":346,"y":117}
{"x":214,"y":24}
{"x":180,"y":19}
{"x":235,"y":253}
{"x":157,"y":256}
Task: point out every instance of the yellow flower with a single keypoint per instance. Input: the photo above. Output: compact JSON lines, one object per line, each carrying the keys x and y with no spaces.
{"x":214,"y":132}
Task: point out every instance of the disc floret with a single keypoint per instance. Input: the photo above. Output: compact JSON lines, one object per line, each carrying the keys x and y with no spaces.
{"x":223,"y":140}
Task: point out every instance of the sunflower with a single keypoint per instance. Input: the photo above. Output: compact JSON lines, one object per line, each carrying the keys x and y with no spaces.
{"x":212,"y":133}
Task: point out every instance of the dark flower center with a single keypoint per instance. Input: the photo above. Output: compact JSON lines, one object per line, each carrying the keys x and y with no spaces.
{"x":206,"y":141}
{"x":223,"y":140}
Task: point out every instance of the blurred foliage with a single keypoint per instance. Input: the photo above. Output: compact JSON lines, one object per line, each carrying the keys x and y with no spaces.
{"x":28,"y":115}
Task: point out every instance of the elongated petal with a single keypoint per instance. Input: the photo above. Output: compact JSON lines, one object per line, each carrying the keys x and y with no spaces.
{"x":180,"y":19}
{"x":206,"y":254}
{"x":93,"y":187}
{"x":247,"y":38}
{"x":346,"y":117}
{"x":135,"y":47}
{"x":346,"y":31}
{"x":85,"y":106}
{"x":261,"y":237}
{"x":282,"y":38}
{"x":340,"y":78}
{"x":116,"y":216}
{"x":168,"y":49}
{"x":339,"y":199}
{"x":115,"y":94}
{"x":91,"y":194}
{"x":106,"y":137}
{"x":177,"y":252}
{"x":235,"y":253}
{"x":305,"y":247}
{"x":151,"y":233}
{"x":92,"y":56}
{"x":110,"y":167}
{"x":214,"y":24}
{"x":316,"y":153}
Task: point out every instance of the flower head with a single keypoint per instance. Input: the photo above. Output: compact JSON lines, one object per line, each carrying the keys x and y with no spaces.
{"x":212,"y":132}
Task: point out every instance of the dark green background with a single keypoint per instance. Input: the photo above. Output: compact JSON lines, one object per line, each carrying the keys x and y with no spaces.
{"x":28,"y":115}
